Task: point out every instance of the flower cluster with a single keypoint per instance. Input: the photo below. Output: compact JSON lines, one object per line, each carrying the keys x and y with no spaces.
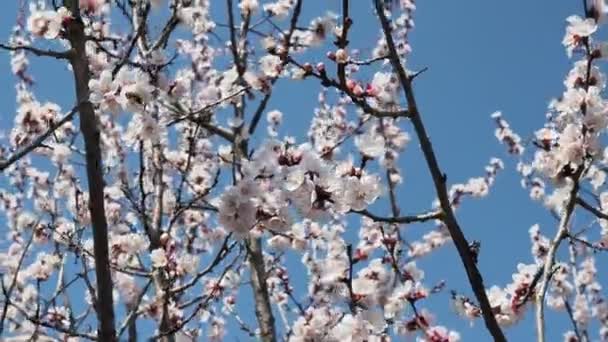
{"x":206,"y":198}
{"x":567,"y":156}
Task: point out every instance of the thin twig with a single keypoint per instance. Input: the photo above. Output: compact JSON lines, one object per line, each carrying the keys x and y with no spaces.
{"x":37,"y":52}
{"x":429,"y":215}
{"x":591,"y":209}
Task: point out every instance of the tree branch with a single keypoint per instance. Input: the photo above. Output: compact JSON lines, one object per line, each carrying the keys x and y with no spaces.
{"x":439,"y":181}
{"x":38,"y":52}
{"x":91,"y":135}
{"x":562,"y":233}
{"x":263,"y":310}
{"x":427,"y":216}
{"x":591,"y":209}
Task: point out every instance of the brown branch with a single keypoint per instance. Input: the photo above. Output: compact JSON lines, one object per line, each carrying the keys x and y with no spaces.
{"x":127,"y":53}
{"x":263,"y":310}
{"x":367,"y":61}
{"x":573,"y":199}
{"x":342,"y":41}
{"x":90,"y":130}
{"x":572,"y":320}
{"x":169,"y":27}
{"x":37,"y":52}
{"x":140,"y":11}
{"x":160,"y":279}
{"x":439,"y":181}
{"x":591,"y":209}
{"x":427,"y":216}
{"x":352,"y":303}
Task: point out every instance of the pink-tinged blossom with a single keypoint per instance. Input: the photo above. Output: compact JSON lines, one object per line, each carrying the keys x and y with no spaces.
{"x":196,"y":17}
{"x":319,"y":29}
{"x":371,"y":144}
{"x":581,"y":310}
{"x":44,"y":266}
{"x":384,"y":89}
{"x":47,"y":23}
{"x":105,"y":92}
{"x":271,"y":66}
{"x":279,"y":8}
{"x":94,"y":7}
{"x":249,"y":7}
{"x":505,"y":135}
{"x":127,"y":288}
{"x":59,"y":316}
{"x":577,"y":30}
{"x":361,"y":191}
{"x":159,"y":258}
{"x":358,"y":328}
{"x":372,"y":283}
{"x":135,"y":90}
{"x":237,"y":211}
{"x":186,"y":183}
{"x":440,"y":334}
{"x":540,"y":244}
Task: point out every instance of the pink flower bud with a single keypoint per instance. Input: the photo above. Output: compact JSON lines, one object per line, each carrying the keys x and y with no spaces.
{"x":341,"y":56}
{"x":350,"y":84}
{"x":358,"y":90}
{"x":370,"y":90}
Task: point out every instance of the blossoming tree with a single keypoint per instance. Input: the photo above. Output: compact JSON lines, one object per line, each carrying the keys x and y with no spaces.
{"x":167,"y":194}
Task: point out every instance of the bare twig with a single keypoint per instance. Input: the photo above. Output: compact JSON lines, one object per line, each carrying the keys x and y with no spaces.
{"x":591,"y":208}
{"x":430,"y":215}
{"x":37,"y":52}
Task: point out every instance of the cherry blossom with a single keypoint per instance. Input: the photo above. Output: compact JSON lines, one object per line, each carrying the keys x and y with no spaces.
{"x":183,"y":195}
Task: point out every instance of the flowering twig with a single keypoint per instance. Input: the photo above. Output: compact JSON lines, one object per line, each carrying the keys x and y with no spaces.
{"x":562,"y":233}
{"x":7,"y":292}
{"x":38,"y":141}
{"x":439,"y":180}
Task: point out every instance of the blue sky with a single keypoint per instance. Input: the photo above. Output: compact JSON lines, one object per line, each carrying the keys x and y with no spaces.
{"x":482,"y":56}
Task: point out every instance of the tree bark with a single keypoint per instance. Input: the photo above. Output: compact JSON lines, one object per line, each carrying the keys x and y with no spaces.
{"x":263,"y":309}
{"x":90,"y":131}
